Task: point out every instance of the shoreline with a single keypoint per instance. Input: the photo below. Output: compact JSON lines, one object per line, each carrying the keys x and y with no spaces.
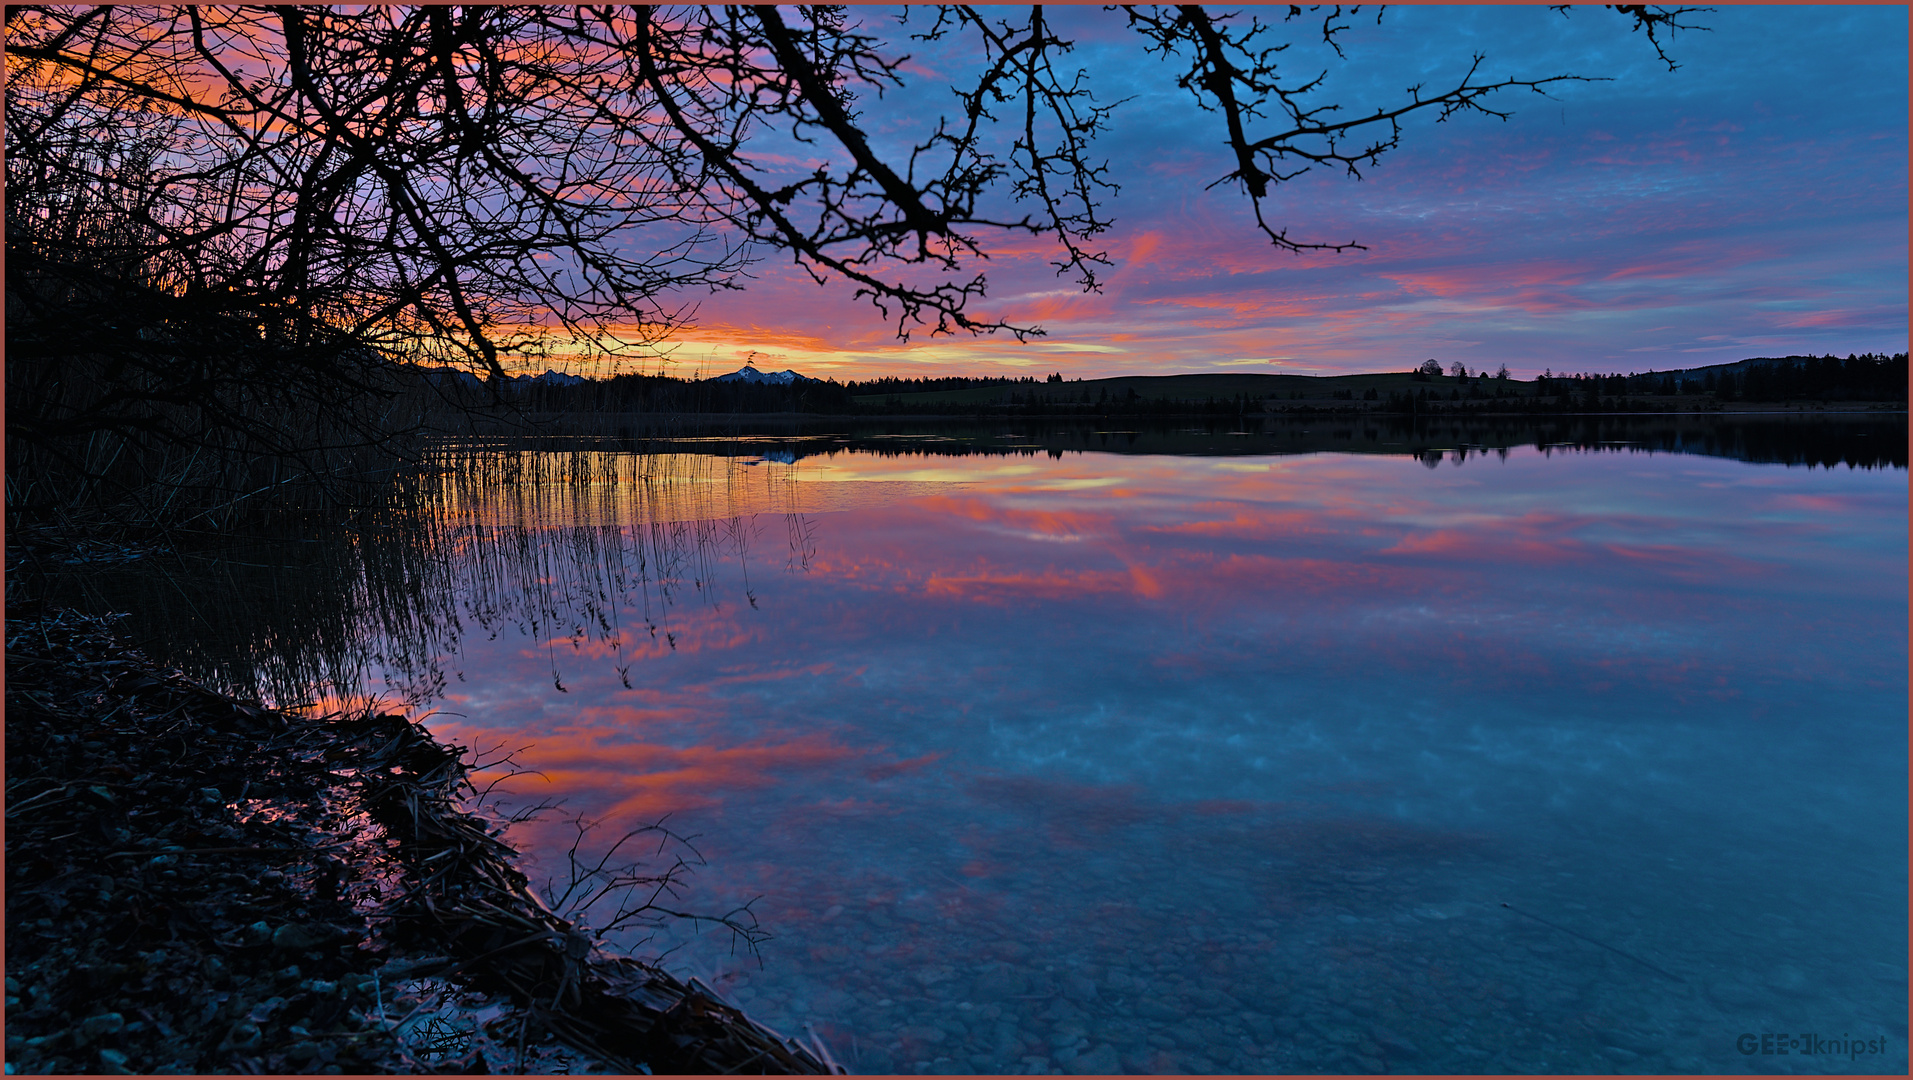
{"x":199,"y":884}
{"x":1444,"y":410}
{"x":703,"y":424}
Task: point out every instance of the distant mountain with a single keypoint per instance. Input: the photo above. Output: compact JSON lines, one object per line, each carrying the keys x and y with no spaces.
{"x":550,"y":378}
{"x":439,"y":376}
{"x":749,"y":374}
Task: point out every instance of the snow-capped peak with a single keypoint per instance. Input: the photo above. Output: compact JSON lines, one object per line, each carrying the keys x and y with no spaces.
{"x":750,"y":374}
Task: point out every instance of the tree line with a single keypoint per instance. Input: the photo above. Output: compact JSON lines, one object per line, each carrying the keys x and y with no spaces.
{"x":1858,"y":377}
{"x":890,"y":385}
{"x":1869,"y":378}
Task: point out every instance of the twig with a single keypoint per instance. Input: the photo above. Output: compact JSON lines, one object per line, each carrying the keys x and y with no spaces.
{"x":1591,"y":941}
{"x":229,"y":851}
{"x":823,"y":1052}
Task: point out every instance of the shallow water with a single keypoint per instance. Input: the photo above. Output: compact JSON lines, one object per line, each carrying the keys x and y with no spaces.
{"x":1042,"y":760}
{"x":1547,"y":762}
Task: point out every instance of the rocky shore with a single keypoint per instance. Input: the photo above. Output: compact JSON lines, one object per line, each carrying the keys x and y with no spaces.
{"x":197,"y":884}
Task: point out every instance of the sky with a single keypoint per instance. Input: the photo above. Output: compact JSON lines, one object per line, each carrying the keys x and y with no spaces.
{"x":1751,"y":203}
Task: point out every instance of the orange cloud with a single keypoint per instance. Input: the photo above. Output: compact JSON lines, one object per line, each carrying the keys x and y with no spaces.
{"x":997,"y":586}
{"x":632,"y":781}
{"x":1143,"y":247}
{"x":1259,"y":524}
{"x":1145,"y":582}
{"x":1054,"y":523}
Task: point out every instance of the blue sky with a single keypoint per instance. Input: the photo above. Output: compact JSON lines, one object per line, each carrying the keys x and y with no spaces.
{"x":1751,"y":203}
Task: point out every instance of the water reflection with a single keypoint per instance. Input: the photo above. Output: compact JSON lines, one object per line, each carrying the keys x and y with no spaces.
{"x":1095,"y":762}
{"x":1094,"y":746}
{"x":593,"y":551}
{"x":1857,"y":440}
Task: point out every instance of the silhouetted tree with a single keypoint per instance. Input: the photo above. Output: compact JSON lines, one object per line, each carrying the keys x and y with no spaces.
{"x":230,"y":216}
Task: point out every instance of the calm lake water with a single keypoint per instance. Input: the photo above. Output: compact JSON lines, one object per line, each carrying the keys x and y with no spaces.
{"x":1037,"y":760}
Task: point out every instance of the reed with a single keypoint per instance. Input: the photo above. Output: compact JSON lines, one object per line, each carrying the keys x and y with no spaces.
{"x":479,"y":535}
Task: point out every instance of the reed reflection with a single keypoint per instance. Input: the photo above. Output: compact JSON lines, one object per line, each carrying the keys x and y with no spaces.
{"x":586,"y":552}
{"x":308,"y":612}
{"x":589,"y":554}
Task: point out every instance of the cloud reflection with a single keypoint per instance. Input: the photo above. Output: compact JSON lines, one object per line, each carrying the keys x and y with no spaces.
{"x":1331,"y":698}
{"x":1337,"y":567}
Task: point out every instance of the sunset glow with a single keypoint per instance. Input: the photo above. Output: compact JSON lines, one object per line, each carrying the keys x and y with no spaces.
{"x":1752,"y":203}
{"x":955,"y":540}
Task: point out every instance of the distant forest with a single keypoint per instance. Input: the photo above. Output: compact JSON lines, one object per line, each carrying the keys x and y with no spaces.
{"x":890,"y":385}
{"x":666,"y":394}
{"x":1869,"y":378}
{"x":1862,"y":377}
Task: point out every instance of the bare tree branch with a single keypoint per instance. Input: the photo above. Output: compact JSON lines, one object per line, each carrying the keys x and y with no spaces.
{"x":257,"y":214}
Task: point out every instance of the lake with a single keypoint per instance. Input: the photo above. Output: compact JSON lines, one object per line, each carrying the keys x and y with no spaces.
{"x":1178,"y":750}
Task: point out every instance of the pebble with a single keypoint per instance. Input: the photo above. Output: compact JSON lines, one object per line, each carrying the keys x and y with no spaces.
{"x":104,"y":1024}
{"x":293,"y":937}
{"x":1101,"y":1060}
{"x":1144,"y":988}
{"x":1395,"y":1045}
{"x":1078,"y":987}
{"x":999,"y":981}
{"x":1152,"y":1008}
{"x":1011,"y":950}
{"x":301,"y":1053}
